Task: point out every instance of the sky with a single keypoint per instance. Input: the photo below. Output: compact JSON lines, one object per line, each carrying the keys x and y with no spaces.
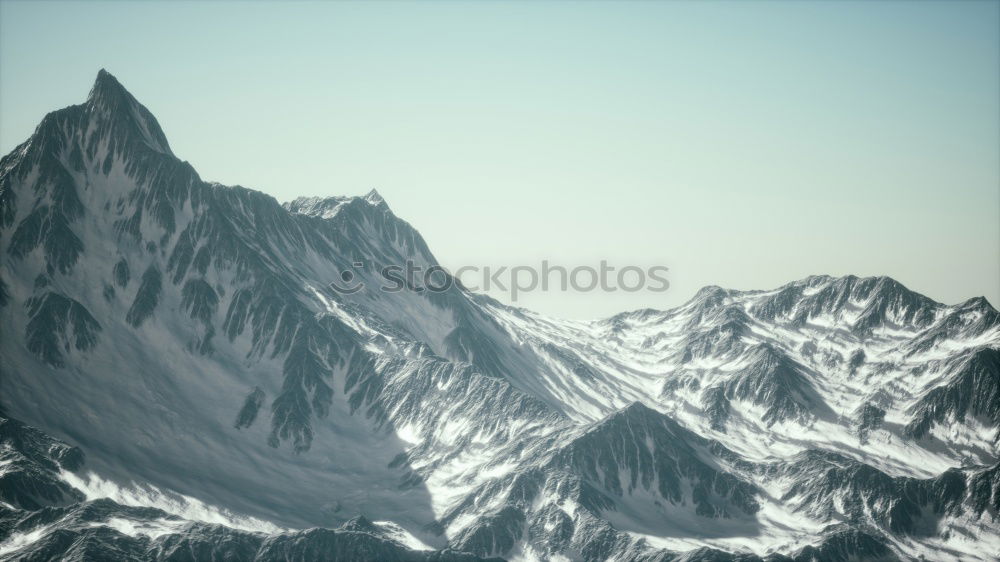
{"x":743,"y":144}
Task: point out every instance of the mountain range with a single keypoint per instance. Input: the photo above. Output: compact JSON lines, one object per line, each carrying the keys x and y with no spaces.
{"x":180,"y":381}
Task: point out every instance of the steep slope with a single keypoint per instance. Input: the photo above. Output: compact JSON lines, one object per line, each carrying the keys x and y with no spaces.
{"x":119,"y":257}
{"x":57,"y":522}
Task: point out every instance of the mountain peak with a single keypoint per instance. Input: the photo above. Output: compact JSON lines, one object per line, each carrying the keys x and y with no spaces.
{"x":373,"y":197}
{"x":635,"y":411}
{"x":106,"y":89}
{"x":981,"y":303}
{"x":322,"y":207}
{"x":119,"y":110}
{"x":360,"y":523}
{"x":103,"y":74}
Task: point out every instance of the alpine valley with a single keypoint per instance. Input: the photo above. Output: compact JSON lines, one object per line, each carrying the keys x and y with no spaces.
{"x":179,"y":382}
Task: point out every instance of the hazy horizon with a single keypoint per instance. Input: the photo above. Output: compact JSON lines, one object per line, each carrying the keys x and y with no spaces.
{"x":741,"y":145}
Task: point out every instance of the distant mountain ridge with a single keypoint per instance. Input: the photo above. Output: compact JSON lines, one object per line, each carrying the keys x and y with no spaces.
{"x":199,"y":390}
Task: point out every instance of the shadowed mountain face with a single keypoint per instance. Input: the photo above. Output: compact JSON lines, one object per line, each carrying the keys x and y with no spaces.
{"x":185,"y":339}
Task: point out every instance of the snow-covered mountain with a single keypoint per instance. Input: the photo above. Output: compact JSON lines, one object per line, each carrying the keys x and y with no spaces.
{"x":222,"y":401}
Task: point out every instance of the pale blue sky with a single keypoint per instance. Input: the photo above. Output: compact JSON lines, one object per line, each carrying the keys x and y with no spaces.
{"x":740,"y":144}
